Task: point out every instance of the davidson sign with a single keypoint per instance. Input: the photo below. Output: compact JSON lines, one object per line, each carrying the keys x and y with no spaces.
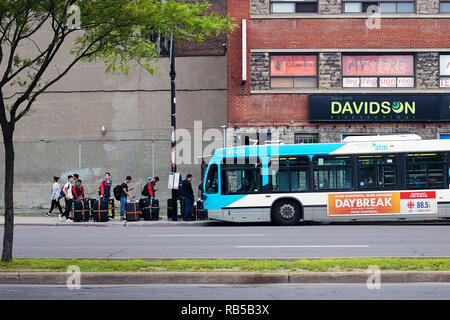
{"x":379,"y":108}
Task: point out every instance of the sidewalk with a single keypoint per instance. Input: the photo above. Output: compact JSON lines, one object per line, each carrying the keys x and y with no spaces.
{"x":36,"y":220}
{"x":94,"y":278}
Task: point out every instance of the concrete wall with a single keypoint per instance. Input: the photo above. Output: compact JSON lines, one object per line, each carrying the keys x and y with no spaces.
{"x":135,"y":111}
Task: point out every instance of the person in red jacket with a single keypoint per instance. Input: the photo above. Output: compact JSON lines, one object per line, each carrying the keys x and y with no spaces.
{"x":78,"y":190}
{"x":151,"y":186}
{"x":105,"y":186}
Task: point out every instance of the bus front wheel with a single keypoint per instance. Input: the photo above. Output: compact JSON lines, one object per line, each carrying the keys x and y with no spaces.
{"x":286,"y":212}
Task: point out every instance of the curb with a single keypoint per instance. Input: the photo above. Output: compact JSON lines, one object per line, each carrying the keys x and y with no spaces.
{"x":113,"y":223}
{"x":119,"y":278}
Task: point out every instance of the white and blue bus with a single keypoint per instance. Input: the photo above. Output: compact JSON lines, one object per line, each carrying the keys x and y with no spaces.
{"x":362,"y":178}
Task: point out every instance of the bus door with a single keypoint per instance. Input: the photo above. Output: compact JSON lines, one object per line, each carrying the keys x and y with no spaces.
{"x":211,"y":192}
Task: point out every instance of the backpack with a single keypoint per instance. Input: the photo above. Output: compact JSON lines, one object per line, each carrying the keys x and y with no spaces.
{"x":145,"y":190}
{"x":61,"y":193}
{"x":117,"y":192}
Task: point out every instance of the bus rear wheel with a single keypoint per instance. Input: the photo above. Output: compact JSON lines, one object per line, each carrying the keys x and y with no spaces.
{"x":286,"y":212}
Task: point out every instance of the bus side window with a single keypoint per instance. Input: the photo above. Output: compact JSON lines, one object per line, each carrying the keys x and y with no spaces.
{"x":212,"y":180}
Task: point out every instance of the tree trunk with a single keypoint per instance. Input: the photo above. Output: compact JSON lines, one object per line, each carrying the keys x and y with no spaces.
{"x":9,"y":187}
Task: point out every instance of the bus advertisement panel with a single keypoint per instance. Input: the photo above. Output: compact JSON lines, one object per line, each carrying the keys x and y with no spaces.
{"x":370,"y":203}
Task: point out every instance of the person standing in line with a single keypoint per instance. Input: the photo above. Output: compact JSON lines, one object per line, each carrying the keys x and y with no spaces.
{"x":187,"y":196}
{"x":123,"y":195}
{"x":78,"y":190}
{"x":56,"y":189}
{"x":105,"y":187}
{"x":151,"y":183}
{"x":75,"y":178}
{"x":105,"y":193}
{"x":68,"y":196}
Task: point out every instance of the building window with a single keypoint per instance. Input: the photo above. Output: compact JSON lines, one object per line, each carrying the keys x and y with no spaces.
{"x":293,"y":6}
{"x":297,"y":71}
{"x":385,"y":6}
{"x":162,"y":43}
{"x":378,"y":71}
{"x":306,"y":138}
{"x":444,"y":74}
{"x":445,"y":7}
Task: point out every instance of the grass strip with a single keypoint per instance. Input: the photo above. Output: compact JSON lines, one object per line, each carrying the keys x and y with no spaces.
{"x":221,"y":265}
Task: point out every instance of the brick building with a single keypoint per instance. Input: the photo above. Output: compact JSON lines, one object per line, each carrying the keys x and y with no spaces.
{"x":319,"y":70}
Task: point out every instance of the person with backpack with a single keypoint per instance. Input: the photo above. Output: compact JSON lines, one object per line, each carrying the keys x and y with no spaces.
{"x":66,"y":192}
{"x":123,"y":195}
{"x":56,"y":189}
{"x":105,"y":187}
{"x":187,"y":196}
{"x":78,"y":190}
{"x":149,"y":189}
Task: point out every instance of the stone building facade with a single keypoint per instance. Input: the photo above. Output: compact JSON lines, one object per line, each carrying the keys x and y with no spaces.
{"x":334,"y":42}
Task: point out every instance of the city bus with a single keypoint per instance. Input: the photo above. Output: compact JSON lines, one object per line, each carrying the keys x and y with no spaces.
{"x":361,"y":178}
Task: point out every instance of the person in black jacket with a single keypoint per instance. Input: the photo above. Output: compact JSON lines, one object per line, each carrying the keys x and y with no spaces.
{"x":187,"y":196}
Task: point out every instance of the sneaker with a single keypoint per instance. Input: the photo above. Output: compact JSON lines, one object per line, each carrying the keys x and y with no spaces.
{"x":48,"y":214}
{"x":60,"y":218}
{"x":68,"y":220}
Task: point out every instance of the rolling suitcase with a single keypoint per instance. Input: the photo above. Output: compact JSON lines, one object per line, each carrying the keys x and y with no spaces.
{"x":171,"y":210}
{"x":179,"y":209}
{"x":87,"y":210}
{"x":202,"y":214}
{"x":132,"y":211}
{"x":199,"y":204}
{"x":111,"y":208}
{"x":155,"y":209}
{"x":144,"y":205}
{"x":193,"y":213}
{"x":77,"y":212}
{"x":100,"y":210}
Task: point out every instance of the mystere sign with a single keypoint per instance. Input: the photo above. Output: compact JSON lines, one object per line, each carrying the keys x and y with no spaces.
{"x":379,"y":108}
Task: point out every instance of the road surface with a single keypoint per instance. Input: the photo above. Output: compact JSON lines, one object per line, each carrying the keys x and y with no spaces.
{"x":234,"y":241}
{"x":409,"y":291}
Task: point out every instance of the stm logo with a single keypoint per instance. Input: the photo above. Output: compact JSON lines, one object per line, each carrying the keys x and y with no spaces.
{"x":381,"y":147}
{"x":411,"y":205}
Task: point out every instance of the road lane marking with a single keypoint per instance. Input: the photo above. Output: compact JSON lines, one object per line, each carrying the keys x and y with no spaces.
{"x":206,"y":235}
{"x":307,"y":246}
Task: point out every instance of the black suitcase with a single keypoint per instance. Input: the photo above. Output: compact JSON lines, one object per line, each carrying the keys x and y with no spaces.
{"x":100,"y":210}
{"x":77,"y":212}
{"x":111,"y":208}
{"x":171,"y":210}
{"x":193,"y":213}
{"x":155,"y":209}
{"x":202,"y":214}
{"x":87,"y":210}
{"x":144,"y":205}
{"x":132,"y":211}
{"x":200,"y":204}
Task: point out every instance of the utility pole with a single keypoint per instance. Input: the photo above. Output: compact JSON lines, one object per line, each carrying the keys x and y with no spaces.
{"x":173,"y":122}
